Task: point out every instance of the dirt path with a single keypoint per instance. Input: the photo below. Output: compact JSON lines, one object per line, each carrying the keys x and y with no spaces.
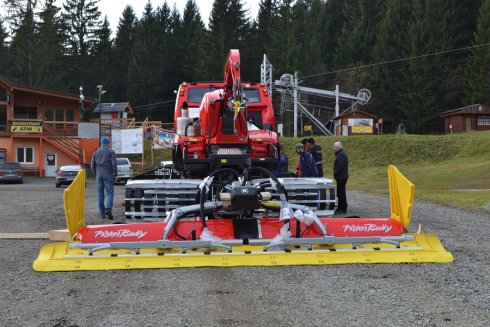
{"x":456,"y":294}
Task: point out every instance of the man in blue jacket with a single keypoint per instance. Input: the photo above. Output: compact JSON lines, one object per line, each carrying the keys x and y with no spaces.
{"x":306,"y":165}
{"x":104,"y":166}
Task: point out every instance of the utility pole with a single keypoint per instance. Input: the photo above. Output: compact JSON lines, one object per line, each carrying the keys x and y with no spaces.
{"x":266,"y":74}
{"x":295,"y":101}
{"x":100,"y":86}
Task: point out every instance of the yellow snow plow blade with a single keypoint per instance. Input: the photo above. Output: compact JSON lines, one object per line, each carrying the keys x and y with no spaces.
{"x":415,"y":248}
{"x":74,"y":203}
{"x":59,"y":257}
{"x":402,"y":193}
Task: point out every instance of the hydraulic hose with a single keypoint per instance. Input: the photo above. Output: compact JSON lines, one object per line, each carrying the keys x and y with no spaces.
{"x":279,"y":185}
{"x":203,"y":189}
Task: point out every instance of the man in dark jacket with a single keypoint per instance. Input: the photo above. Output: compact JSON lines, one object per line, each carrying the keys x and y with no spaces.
{"x":306,"y":165}
{"x":316,"y":152}
{"x":282,"y":167}
{"x":104,"y":166}
{"x":341,"y":174}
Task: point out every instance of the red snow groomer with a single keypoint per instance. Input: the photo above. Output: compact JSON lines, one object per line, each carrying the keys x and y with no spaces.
{"x":220,"y":125}
{"x":224,"y":124}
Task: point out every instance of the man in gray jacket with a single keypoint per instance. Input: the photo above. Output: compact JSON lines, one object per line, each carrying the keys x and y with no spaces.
{"x":104,"y":166}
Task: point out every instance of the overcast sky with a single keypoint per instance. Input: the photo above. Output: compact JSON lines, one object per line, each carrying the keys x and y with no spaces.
{"x":114,"y":8}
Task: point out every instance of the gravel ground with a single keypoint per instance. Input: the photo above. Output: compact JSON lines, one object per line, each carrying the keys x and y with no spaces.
{"x":456,"y":294}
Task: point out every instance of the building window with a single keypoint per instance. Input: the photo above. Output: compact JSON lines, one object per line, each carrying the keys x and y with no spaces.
{"x":48,"y":114}
{"x":25,"y":155}
{"x":59,"y":115}
{"x":25,"y":113}
{"x":484,"y":121}
{"x":3,"y":118}
{"x":70,"y":115}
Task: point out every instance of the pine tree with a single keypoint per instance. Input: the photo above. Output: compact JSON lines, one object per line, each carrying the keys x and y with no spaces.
{"x":333,"y":27}
{"x":417,"y":86}
{"x":145,"y":68}
{"x":101,"y":59}
{"x":48,"y":70}
{"x":4,"y":57}
{"x":284,"y":49}
{"x":356,"y":39}
{"x":81,"y":19}
{"x":264,"y":25}
{"x":239,"y":24}
{"x":21,"y":18}
{"x":313,"y":62}
{"x":477,"y":78}
{"x":389,"y":46}
{"x":175,"y":49}
{"x":216,"y":44}
{"x":229,"y":28}
{"x":172,"y":49}
{"x":192,"y":34}
{"x":123,"y":45}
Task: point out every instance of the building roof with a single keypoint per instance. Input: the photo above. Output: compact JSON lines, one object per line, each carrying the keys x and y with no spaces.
{"x":353,"y":111}
{"x":114,"y":107}
{"x":30,"y":89}
{"x":475,"y":109}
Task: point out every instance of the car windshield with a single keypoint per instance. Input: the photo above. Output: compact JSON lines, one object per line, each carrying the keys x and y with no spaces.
{"x":252,"y":95}
{"x":197,"y":93}
{"x":9,"y":166}
{"x":123,"y":161}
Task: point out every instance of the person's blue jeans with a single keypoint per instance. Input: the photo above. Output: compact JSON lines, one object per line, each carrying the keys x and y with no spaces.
{"x":105,"y":183}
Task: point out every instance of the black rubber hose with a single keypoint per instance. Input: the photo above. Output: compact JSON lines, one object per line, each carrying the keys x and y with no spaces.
{"x":280,"y":187}
{"x":204,"y":193}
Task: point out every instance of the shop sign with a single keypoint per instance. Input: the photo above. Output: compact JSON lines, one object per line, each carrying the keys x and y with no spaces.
{"x":26,"y":127}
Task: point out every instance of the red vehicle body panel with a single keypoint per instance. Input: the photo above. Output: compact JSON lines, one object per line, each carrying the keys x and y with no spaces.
{"x":211,"y":110}
{"x":223,"y":228}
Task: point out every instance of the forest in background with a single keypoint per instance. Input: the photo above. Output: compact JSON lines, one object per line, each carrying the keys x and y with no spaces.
{"x":417,"y":57}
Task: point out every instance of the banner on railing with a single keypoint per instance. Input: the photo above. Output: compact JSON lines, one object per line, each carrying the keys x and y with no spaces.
{"x":161,"y":138}
{"x":127,"y":141}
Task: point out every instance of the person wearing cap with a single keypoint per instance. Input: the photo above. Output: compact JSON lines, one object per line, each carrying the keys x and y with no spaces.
{"x":104,"y":166}
{"x":306,"y":164}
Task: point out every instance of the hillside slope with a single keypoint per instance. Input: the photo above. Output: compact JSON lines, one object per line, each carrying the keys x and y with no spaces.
{"x":450,"y":169}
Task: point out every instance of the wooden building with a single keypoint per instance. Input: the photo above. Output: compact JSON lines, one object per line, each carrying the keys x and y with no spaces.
{"x":355,"y":122}
{"x":39,"y":128}
{"x":111,"y":111}
{"x":471,"y":118}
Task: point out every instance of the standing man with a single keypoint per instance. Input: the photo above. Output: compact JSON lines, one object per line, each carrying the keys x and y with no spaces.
{"x":104,"y":166}
{"x":306,"y":165}
{"x":341,"y":174}
{"x":282,"y":167}
{"x":316,"y":152}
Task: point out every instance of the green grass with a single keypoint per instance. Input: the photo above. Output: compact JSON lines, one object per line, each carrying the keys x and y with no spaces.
{"x":448,"y":169}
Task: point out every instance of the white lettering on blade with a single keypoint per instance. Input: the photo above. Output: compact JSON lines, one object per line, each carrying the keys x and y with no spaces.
{"x":367,"y":228}
{"x":120,"y":233}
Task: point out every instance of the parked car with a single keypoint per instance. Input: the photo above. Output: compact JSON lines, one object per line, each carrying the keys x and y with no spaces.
{"x":124,"y":170}
{"x":66,"y":174}
{"x":165,"y":170}
{"x":11,"y":172}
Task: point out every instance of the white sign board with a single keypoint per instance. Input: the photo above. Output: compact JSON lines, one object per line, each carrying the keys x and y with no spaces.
{"x":88,"y":130}
{"x":127,"y":141}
